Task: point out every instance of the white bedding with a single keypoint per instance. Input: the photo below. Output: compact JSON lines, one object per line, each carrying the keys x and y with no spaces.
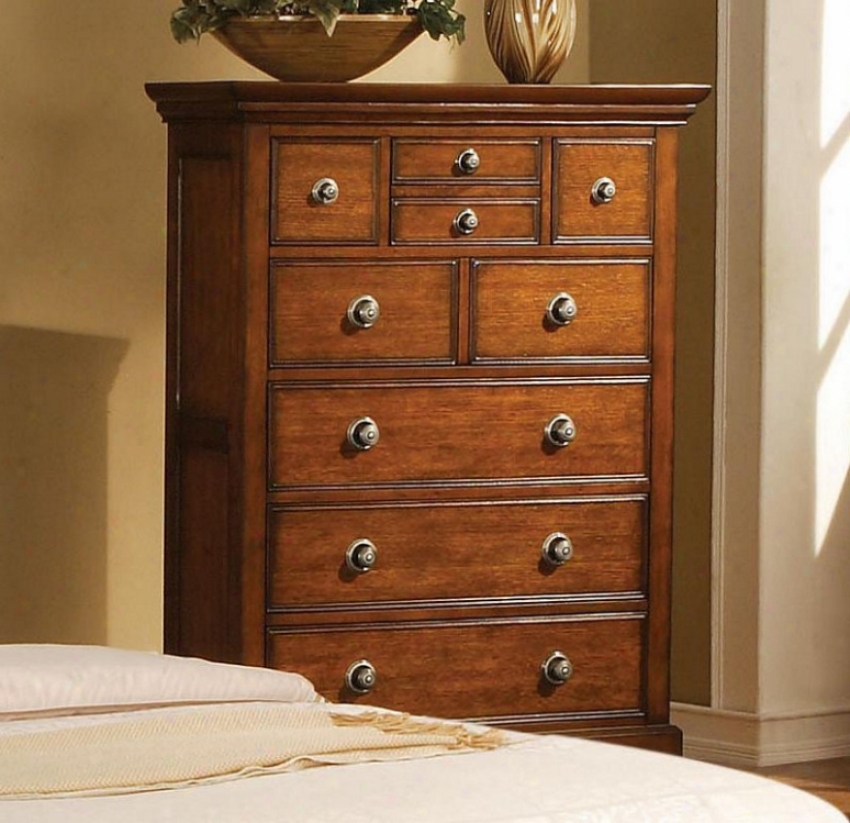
{"x":533,"y":780}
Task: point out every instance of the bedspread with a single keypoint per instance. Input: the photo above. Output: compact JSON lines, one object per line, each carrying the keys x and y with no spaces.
{"x":140,"y":751}
{"x":534,"y":779}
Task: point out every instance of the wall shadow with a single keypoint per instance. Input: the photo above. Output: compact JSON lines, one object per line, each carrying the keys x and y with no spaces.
{"x":664,"y":41}
{"x":53,"y":484}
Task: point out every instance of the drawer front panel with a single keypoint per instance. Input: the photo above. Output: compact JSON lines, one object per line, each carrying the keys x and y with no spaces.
{"x":579,"y":167}
{"x":423,"y":220}
{"x":440,"y":552}
{"x":476,"y":671}
{"x":314,"y":317}
{"x":465,"y":432}
{"x":518,"y":310}
{"x":445,"y":161}
{"x":300,"y":166}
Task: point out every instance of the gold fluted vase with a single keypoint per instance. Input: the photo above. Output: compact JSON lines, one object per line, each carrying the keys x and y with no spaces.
{"x":529,"y":39}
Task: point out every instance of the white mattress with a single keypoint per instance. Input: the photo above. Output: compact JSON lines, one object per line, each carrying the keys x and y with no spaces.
{"x":537,"y":780}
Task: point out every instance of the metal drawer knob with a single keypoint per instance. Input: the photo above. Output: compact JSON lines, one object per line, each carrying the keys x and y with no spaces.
{"x":603,"y":190}
{"x":557,"y":669}
{"x":363,"y":311}
{"x":468,"y":161}
{"x":325,"y":191}
{"x":557,"y":549}
{"x":361,"y":556}
{"x":560,"y":431}
{"x":466,"y":222}
{"x":363,"y":433}
{"x":361,"y":677}
{"x":562,"y":309}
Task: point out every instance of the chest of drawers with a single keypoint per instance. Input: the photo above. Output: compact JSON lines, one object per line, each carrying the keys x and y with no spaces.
{"x":419,"y":399}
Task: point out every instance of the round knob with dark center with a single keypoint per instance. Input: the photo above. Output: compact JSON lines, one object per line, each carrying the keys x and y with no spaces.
{"x":603,"y":190}
{"x":361,"y":677}
{"x":361,"y":556}
{"x":562,"y":309}
{"x":325,"y":191}
{"x":363,"y":311}
{"x":557,"y":669}
{"x":468,"y":161}
{"x":560,"y":431}
{"x":363,"y":434}
{"x":466,"y":222}
{"x":557,"y":549}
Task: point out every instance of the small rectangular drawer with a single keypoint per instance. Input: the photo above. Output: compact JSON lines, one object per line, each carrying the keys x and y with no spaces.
{"x":560,"y":310}
{"x":476,"y":670}
{"x":426,"y":220}
{"x":455,"y":431}
{"x":466,"y":161}
{"x":581,"y":209}
{"x":325,"y":191}
{"x":317,"y":312}
{"x":455,"y":551}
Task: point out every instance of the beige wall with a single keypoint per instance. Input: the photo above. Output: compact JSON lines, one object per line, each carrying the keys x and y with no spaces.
{"x":667,"y":41}
{"x":429,"y":62}
{"x":82,"y":222}
{"x":739,"y":329}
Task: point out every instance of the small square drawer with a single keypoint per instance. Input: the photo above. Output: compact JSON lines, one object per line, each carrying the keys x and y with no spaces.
{"x":603,"y":191}
{"x":356,"y":312}
{"x":505,"y":221}
{"x":466,"y":161}
{"x":410,"y":434}
{"x":560,"y":310}
{"x":325,"y":191}
{"x":483,"y":670}
{"x":369,"y":553}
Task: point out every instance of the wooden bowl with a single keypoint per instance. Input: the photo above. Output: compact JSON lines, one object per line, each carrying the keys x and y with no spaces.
{"x":297,"y":49}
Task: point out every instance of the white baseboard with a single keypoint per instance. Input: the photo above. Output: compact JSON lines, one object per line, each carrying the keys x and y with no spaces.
{"x":748,"y":740}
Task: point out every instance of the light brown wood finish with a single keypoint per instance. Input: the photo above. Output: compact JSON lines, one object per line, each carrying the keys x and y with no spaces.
{"x":484,"y":670}
{"x":438,"y":433}
{"x":426,"y":161}
{"x":297,"y":48}
{"x":461,"y":373}
{"x":470,"y":550}
{"x":299,"y":164}
{"x":419,"y":220}
{"x":579,"y":165}
{"x":827,"y":779}
{"x":309,"y":312}
{"x":510,"y":300}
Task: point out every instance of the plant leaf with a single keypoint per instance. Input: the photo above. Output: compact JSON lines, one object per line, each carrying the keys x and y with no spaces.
{"x":327,"y":11}
{"x":195,"y":17}
{"x":438,"y":18}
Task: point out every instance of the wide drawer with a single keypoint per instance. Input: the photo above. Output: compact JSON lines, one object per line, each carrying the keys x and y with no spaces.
{"x":586,"y":208}
{"x":356,"y":312}
{"x":539,"y":310}
{"x":455,"y":431}
{"x":439,"y":552}
{"x":462,"y":160}
{"x":482,"y":670}
{"x":325,"y":191}
{"x":426,"y":220}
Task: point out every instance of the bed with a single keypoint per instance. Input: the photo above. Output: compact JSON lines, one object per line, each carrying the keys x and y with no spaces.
{"x":95,"y":734}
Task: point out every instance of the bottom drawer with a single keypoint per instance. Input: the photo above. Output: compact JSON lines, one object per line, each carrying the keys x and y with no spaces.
{"x":482,"y":670}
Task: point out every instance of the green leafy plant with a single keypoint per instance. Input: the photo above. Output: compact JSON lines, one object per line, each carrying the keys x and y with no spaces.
{"x":195,"y":17}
